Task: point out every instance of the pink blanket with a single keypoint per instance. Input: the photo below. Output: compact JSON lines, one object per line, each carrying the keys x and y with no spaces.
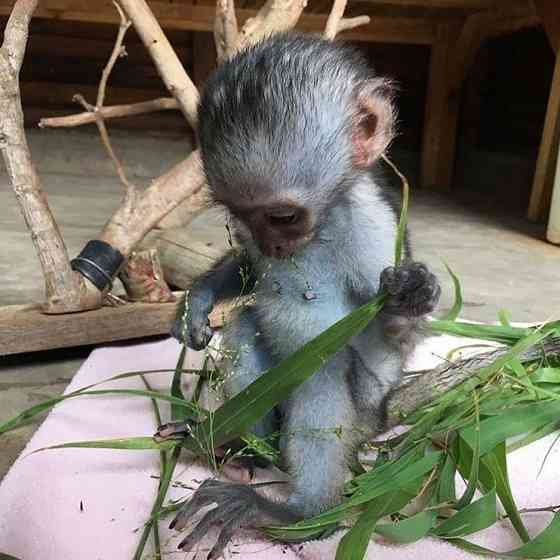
{"x":90,"y":504}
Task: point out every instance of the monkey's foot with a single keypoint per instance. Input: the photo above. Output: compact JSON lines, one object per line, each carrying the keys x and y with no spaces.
{"x":174,"y":430}
{"x":412,"y":290}
{"x":237,"y":506}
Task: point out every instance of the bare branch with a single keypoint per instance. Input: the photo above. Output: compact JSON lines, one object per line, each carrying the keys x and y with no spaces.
{"x":274,"y":17}
{"x":115,"y":111}
{"x":225,"y":29}
{"x":168,"y":64}
{"x":337,"y":23}
{"x":351,"y":23}
{"x":65,"y":290}
{"x":16,"y":32}
{"x":117,"y":52}
{"x":337,"y":13}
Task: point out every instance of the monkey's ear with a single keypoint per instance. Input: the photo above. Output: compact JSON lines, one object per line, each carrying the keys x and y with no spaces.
{"x":373,"y":121}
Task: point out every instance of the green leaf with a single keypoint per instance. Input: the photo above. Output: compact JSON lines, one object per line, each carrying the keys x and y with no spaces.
{"x":408,"y":530}
{"x":178,"y":410}
{"x":393,"y":478}
{"x":518,"y":420}
{"x":354,"y":544}
{"x":168,"y":468}
{"x":474,"y":517}
{"x":7,"y":557}
{"x":475,"y":462}
{"x":546,"y":375}
{"x":455,"y":311}
{"x":238,"y":414}
{"x":446,"y":481}
{"x":496,"y":463}
{"x":28,"y":414}
{"x":132,"y":443}
{"x":545,"y":545}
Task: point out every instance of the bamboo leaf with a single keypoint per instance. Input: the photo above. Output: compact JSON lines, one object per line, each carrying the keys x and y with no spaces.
{"x":455,"y":311}
{"x":408,"y":530}
{"x":474,"y":517}
{"x":238,"y":414}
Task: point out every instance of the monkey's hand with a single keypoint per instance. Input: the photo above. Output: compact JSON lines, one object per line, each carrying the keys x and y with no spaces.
{"x":192,"y":325}
{"x":237,"y":506}
{"x":412,"y":290}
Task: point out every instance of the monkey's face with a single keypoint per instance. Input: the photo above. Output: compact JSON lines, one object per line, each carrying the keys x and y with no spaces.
{"x":278,"y":230}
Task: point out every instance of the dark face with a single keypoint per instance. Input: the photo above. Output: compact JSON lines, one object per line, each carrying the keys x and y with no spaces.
{"x":278,"y":229}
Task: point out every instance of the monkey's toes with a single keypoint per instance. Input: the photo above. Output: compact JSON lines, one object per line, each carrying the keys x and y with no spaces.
{"x":236,"y":507}
{"x":174,"y":430}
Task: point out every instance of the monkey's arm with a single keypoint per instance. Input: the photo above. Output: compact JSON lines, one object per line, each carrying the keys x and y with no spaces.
{"x":233,"y":276}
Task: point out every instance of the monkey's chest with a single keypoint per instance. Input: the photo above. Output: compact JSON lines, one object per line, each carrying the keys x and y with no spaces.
{"x":293,"y":308}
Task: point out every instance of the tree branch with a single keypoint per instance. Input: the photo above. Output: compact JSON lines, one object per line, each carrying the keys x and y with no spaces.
{"x":429,"y":385}
{"x":168,"y":64}
{"x":65,"y":290}
{"x":115,"y":111}
{"x":225,"y":29}
{"x":337,"y":23}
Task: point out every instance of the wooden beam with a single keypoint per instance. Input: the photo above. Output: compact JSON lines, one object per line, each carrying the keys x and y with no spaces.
{"x":459,"y":4}
{"x":452,"y":56}
{"x":441,"y":114}
{"x":549,"y":12}
{"x":548,"y":152}
{"x":407,"y":30}
{"x":25,"y":328}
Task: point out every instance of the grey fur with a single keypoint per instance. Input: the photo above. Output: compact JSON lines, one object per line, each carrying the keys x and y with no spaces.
{"x":277,"y":123}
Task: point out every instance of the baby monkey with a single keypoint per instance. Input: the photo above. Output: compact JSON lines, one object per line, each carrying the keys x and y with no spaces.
{"x":290,"y":133}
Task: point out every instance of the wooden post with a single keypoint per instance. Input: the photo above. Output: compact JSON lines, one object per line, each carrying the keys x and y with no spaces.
{"x":553,"y":230}
{"x":441,"y":114}
{"x":548,"y":152}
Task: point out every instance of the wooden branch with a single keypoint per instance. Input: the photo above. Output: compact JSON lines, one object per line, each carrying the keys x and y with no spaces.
{"x":131,"y":222}
{"x":65,"y":290}
{"x":336,"y":23}
{"x":429,"y":385}
{"x":225,"y":29}
{"x":116,"y":111}
{"x":168,"y":64}
{"x":274,"y":17}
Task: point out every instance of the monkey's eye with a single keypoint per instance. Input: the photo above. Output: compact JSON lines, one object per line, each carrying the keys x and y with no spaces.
{"x":283,"y":218}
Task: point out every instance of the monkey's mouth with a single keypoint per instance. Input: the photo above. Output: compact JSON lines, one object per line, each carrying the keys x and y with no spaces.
{"x":283,"y":249}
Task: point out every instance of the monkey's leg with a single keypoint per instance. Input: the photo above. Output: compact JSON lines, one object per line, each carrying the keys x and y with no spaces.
{"x":317,"y":436}
{"x":245,"y":359}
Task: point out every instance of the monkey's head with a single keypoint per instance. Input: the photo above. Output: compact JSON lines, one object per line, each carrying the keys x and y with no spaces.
{"x":285,"y":127}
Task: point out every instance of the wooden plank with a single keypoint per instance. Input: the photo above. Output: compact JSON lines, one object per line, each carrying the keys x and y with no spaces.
{"x":546,"y":163}
{"x":24,"y":328}
{"x":201,"y":18}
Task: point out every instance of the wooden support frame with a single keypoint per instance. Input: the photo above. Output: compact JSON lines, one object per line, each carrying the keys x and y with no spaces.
{"x":404,"y":30}
{"x":548,"y":152}
{"x":453,"y":53}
